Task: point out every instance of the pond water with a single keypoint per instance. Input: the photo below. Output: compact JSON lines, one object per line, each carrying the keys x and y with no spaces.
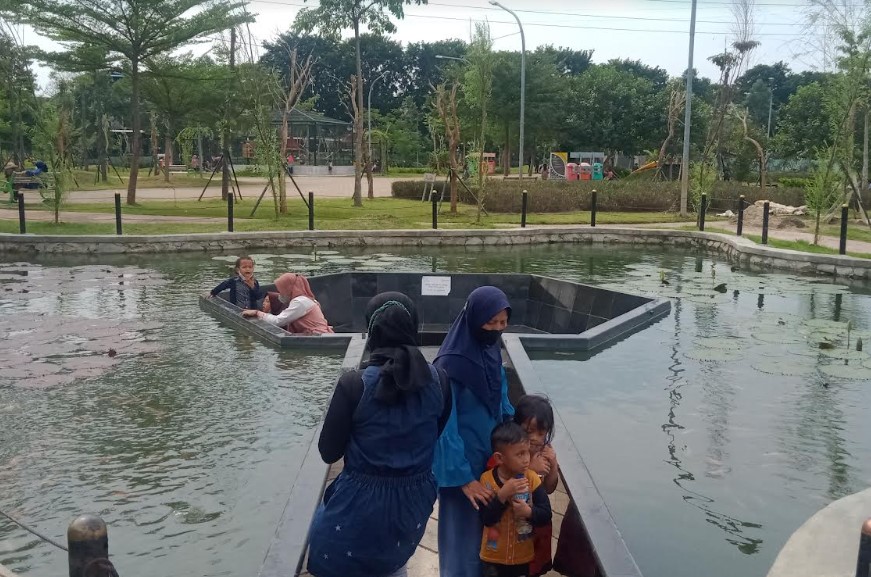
{"x":712,"y":434}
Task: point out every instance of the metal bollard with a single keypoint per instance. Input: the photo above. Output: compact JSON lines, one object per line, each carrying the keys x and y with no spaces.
{"x":842,"y":247}
{"x":22,"y":226}
{"x":523,"y":204}
{"x":435,"y":210}
{"x":863,"y":563}
{"x":765,"y":206}
{"x":593,"y":203}
{"x":740,"y":215}
{"x":117,"y":214}
{"x":311,"y":210}
{"x":88,"y":544}
{"x":702,"y":210}
{"x":230,"y":212}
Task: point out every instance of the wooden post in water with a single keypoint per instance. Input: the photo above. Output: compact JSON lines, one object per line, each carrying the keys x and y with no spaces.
{"x":88,"y":543}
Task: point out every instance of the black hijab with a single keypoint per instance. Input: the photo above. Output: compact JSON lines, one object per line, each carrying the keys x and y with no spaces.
{"x":392,"y":338}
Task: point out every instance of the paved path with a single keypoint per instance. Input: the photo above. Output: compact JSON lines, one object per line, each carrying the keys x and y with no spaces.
{"x":251,"y":187}
{"x":780,"y":234}
{"x":828,"y":543}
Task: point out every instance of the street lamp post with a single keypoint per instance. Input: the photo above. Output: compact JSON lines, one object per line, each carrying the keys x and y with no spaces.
{"x":369,"y":113}
{"x":457,"y":58}
{"x":522,"y":78}
{"x":685,"y":158}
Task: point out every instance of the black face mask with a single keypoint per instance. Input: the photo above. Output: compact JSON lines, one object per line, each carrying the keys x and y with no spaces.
{"x":486,"y":337}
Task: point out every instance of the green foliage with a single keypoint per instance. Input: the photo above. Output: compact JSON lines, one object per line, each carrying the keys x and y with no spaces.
{"x":803,"y":123}
{"x":702,"y":178}
{"x":821,"y":190}
{"x":548,"y":196}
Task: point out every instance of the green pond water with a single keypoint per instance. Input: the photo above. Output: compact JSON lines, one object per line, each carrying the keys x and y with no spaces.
{"x":712,"y":434}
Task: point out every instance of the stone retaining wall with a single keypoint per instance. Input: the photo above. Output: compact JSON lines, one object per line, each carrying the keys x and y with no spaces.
{"x":737,"y":250}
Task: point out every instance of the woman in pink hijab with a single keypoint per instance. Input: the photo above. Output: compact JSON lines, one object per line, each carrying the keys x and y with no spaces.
{"x":297,"y":310}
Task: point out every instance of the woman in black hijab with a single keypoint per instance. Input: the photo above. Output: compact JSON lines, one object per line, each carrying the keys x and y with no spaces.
{"x":384,"y":419}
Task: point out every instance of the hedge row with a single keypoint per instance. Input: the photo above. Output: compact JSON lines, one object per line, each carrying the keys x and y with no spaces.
{"x":613,"y":196}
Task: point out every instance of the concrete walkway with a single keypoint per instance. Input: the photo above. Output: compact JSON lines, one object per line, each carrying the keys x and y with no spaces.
{"x":780,"y":234}
{"x":827,"y":544}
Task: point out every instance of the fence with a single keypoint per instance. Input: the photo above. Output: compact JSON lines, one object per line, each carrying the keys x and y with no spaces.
{"x":437,"y":200}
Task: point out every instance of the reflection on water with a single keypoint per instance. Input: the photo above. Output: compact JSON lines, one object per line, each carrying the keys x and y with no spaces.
{"x":712,"y":434}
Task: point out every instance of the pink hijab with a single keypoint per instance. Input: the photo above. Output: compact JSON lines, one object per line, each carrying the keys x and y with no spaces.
{"x":292,"y":285}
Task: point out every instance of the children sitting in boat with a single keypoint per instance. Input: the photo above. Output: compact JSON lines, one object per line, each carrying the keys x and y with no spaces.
{"x":521,"y":503}
{"x":294,"y":307}
{"x":244,"y":289}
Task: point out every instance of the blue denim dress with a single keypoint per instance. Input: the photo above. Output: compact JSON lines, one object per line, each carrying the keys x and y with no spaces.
{"x":375,"y":512}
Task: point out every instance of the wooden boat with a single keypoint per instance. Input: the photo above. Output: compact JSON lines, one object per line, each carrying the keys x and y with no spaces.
{"x":547,"y":314}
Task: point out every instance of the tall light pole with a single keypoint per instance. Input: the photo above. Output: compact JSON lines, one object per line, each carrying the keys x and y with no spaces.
{"x":457,"y":58}
{"x":522,"y":77}
{"x":685,"y":160}
{"x":369,"y":113}
{"x":770,"y":103}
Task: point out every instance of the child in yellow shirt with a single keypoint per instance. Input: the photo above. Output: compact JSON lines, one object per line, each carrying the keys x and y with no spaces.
{"x":520,"y":504}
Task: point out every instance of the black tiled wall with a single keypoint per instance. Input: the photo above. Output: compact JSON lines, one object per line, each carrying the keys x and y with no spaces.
{"x":537,"y":303}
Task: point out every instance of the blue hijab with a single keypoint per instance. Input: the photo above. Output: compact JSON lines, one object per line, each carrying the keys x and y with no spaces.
{"x":464,"y":355}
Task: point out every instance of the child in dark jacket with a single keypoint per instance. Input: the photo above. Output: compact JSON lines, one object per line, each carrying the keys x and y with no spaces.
{"x":521,"y":503}
{"x":244,"y":289}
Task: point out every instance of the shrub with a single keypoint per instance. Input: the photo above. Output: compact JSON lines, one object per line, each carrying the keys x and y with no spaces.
{"x":793,"y":182}
{"x":629,"y":195}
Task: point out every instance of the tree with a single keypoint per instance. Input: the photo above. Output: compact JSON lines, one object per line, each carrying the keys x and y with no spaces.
{"x":333,"y":16}
{"x":17,"y":89}
{"x":446,"y":107}
{"x":477,"y":90}
{"x":676,"y":102}
{"x":299,"y":73}
{"x":821,"y":190}
{"x":803,"y":124}
{"x":756,"y":141}
{"x":132,"y":31}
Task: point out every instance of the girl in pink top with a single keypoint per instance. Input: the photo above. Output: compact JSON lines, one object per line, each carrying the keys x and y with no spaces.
{"x":303,"y":312}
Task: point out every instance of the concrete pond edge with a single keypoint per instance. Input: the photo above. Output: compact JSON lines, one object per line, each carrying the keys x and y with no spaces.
{"x":737,"y":250}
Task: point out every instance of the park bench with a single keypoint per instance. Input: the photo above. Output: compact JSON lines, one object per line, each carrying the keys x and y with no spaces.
{"x":178,"y":168}
{"x":22,"y":182}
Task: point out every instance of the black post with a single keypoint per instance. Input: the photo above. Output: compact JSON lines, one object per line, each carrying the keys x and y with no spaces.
{"x":118,"y":214}
{"x":593,"y":203}
{"x":740,"y":215}
{"x":230,"y":212}
{"x":435,"y":211}
{"x":842,"y":248}
{"x":88,"y":544}
{"x":22,"y":227}
{"x":702,"y":210}
{"x":311,"y":210}
{"x":523,"y":204}
{"x":765,"y":206}
{"x":863,"y":563}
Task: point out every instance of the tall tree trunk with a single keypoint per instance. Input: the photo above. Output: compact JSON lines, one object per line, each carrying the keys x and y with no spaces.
{"x":865,"y":156}
{"x":367,"y":162}
{"x":136,"y":148}
{"x":358,"y":121}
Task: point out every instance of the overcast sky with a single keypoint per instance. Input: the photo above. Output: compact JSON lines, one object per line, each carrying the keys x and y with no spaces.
{"x":653,"y":31}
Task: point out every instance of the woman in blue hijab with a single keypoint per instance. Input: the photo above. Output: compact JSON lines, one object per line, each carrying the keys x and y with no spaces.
{"x":472,"y":358}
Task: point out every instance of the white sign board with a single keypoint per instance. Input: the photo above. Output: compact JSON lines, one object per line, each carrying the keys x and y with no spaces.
{"x":435,"y":286}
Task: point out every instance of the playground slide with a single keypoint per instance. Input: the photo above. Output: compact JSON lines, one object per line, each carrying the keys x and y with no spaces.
{"x":648,"y":166}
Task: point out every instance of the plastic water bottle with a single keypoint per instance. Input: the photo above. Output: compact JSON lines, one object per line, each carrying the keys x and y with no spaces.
{"x":524,"y":528}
